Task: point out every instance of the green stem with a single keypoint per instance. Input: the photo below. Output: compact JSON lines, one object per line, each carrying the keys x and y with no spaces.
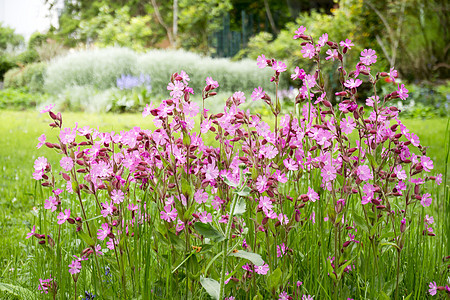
{"x":226,"y":244}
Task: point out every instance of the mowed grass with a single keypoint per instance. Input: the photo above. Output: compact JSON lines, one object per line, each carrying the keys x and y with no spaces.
{"x":19,"y":193}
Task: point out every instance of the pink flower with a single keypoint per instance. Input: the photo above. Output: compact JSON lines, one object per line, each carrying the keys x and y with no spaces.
{"x":268,"y":151}
{"x":290,"y":164}
{"x":41,"y":140}
{"x":190,"y":109}
{"x":67,"y":135}
{"x":132,"y":207}
{"x":103,"y":232}
{"x":248,"y":268}
{"x":216,"y":202}
{"x":176,"y":89}
{"x":368,"y":191}
{"x":147,"y":110}
{"x":439,"y":179}
{"x":205,"y":217}
{"x":364,"y":173}
{"x":117,"y":196}
{"x":47,"y":108}
{"x":66,"y":163}
{"x":433,"y":288}
{"x":258,"y":94}
{"x":429,"y":220}
{"x":427,"y":163}
{"x":108,"y":209}
{"x":211,"y":172}
{"x":426,"y":200}
{"x":205,"y":126}
{"x":298,"y":74}
{"x":261,"y":61}
{"x":400,"y":173}
{"x":69,"y":187}
{"x":328,"y":173}
{"x":348,"y":43}
{"x":307,"y":297}
{"x":332,"y":54}
{"x":352,"y":83}
{"x":312,"y":195}
{"x":371,"y":100}
{"x":368,"y":57}
{"x":33,"y":231}
{"x":40,"y":164}
{"x":261,"y":183}
{"x":75,"y":267}
{"x":283,"y":296}
{"x":308,"y":51}
{"x":279,"y":66}
{"x":63,"y":216}
{"x":281,"y":250}
{"x":413,"y":138}
{"x":168,"y":214}
{"x":214,"y":84}
{"x":402,"y":92}
{"x":300,"y":31}
{"x":262,"y":270}
{"x":347,"y":125}
{"x":283,"y":219}
{"x":323,"y":39}
{"x":200,"y":196}
{"x":51,"y":203}
{"x":265,"y":204}
{"x":180,"y":226}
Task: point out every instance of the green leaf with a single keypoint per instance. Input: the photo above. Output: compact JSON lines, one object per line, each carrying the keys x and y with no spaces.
{"x":330,"y":270}
{"x":240,"y":207}
{"x":341,"y":268}
{"x":275,"y":279}
{"x":86,"y":238}
{"x":211,"y":286}
{"x":253,"y":257}
{"x":208,"y":231}
{"x":17,"y":291}
{"x":360,"y":222}
{"x":176,"y":241}
{"x":390,"y":244}
{"x":245,"y":192}
{"x":372,"y":160}
{"x":228,"y":182}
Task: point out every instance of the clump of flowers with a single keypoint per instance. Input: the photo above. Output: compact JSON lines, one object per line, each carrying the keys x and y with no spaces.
{"x":241,"y":201}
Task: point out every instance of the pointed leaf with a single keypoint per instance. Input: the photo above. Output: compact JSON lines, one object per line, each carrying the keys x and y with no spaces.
{"x":253,"y":257}
{"x":211,"y":286}
{"x":240,"y":207}
{"x":208,"y":231}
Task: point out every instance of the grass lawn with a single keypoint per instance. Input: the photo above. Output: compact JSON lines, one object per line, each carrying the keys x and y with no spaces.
{"x":19,"y":192}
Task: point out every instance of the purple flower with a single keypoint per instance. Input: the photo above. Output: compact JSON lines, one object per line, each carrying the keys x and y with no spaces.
{"x":332,"y":54}
{"x":47,"y":108}
{"x":368,"y":57}
{"x":279,"y":66}
{"x":168,"y":214}
{"x":300,"y":31}
{"x":262,"y":270}
{"x":33,"y":231}
{"x":308,"y":51}
{"x":117,"y":196}
{"x":261,"y":183}
{"x":51,"y":203}
{"x":66,"y":163}
{"x":426,"y":200}
{"x":328,"y":173}
{"x":402,"y":92}
{"x":261,"y":61}
{"x":205,"y":217}
{"x":433,"y":288}
{"x":41,"y":140}
{"x":75,"y":267}
{"x":63,"y":216}
{"x":258,"y":94}
{"x":67,"y":135}
{"x":200,"y":196}
{"x":312,"y":195}
{"x":348,"y":43}
{"x":103,"y":232}
{"x":298,"y":74}
{"x":427,"y":163}
{"x":364,"y":173}
{"x":323,"y":39}
{"x":283,"y":296}
{"x":40,"y":164}
{"x":352,"y":83}
{"x":214,"y":84}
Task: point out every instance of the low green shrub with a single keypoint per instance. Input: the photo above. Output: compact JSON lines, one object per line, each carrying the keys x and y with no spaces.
{"x":31,"y":76}
{"x":19,"y":99}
